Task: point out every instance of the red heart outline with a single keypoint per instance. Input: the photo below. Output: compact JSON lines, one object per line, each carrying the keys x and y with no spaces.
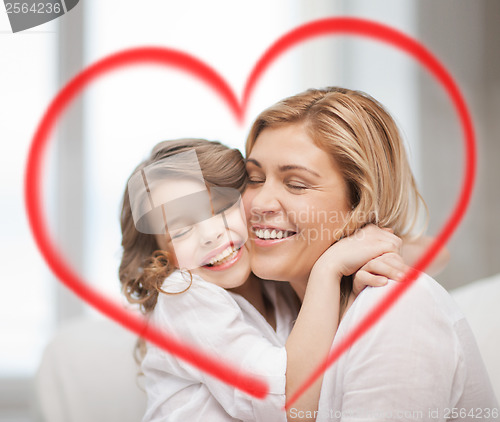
{"x":182,"y":61}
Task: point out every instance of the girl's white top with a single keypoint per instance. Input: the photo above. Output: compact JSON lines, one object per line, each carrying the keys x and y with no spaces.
{"x":420,"y":362}
{"x":226,"y":325}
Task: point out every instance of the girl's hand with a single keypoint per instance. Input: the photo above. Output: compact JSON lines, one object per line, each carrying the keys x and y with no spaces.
{"x":350,"y":254}
{"x":377,"y":271}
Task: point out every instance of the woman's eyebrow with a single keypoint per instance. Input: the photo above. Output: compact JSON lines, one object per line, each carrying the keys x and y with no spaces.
{"x":289,"y":167}
{"x":251,"y":160}
{"x":286,"y":167}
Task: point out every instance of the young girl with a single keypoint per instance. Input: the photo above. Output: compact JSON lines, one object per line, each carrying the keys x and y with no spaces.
{"x":185,"y":261}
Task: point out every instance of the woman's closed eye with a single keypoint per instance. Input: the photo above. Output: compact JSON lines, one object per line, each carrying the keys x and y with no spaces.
{"x":296,"y":186}
{"x":292,"y":185}
{"x":255,"y":180}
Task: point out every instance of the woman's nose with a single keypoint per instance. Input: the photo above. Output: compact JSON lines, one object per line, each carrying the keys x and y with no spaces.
{"x":265,"y":200}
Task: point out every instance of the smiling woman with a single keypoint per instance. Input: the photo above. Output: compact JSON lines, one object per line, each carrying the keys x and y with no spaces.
{"x":338,"y":151}
{"x":290,"y":181}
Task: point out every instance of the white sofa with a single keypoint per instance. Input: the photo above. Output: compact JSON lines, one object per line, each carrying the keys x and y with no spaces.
{"x":88,"y":372}
{"x":480,"y":302}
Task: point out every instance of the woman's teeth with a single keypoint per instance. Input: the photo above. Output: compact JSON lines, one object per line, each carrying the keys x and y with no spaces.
{"x":273,"y":234}
{"x":226,"y":255}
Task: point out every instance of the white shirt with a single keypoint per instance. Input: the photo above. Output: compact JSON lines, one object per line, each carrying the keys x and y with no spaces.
{"x":419,"y":362}
{"x":226,"y":325}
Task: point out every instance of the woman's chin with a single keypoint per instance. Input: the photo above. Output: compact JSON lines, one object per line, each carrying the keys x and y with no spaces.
{"x":269,"y":269}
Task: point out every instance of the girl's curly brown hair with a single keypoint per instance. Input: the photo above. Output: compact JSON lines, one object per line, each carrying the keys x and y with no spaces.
{"x":144,"y":267}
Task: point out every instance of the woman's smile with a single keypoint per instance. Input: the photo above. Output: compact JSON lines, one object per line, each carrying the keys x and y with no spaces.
{"x":269,"y":235}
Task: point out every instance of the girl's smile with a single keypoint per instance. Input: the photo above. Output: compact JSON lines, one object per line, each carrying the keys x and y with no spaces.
{"x":229,"y":256}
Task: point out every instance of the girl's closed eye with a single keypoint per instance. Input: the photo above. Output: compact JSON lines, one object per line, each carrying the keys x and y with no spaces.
{"x":182,"y":232}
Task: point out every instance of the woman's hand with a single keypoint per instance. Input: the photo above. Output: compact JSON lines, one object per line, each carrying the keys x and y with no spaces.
{"x":372,"y":249}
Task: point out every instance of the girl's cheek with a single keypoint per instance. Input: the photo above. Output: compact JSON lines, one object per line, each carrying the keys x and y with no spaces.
{"x":237,"y":223}
{"x":184,"y":255}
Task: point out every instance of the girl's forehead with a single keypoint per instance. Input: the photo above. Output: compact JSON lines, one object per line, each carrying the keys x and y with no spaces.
{"x":170,"y":189}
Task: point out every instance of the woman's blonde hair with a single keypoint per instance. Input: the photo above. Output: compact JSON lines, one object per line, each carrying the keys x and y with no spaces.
{"x":364,"y":142}
{"x":144,"y":267}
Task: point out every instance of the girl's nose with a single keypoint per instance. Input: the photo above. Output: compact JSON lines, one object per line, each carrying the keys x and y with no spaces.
{"x":211,"y":231}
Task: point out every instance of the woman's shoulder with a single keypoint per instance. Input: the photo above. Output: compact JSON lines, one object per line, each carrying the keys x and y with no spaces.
{"x":420,"y":354}
{"x":424,"y":301}
{"x":422,"y":325}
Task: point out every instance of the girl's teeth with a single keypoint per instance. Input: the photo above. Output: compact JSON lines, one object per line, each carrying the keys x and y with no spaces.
{"x":229,"y":252}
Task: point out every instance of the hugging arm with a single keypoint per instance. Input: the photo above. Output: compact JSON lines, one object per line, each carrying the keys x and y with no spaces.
{"x":315,"y":327}
{"x":379,"y":269}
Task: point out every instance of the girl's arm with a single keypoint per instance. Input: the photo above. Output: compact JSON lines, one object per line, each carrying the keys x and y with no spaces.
{"x":411,"y":250}
{"x":316,"y":325}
